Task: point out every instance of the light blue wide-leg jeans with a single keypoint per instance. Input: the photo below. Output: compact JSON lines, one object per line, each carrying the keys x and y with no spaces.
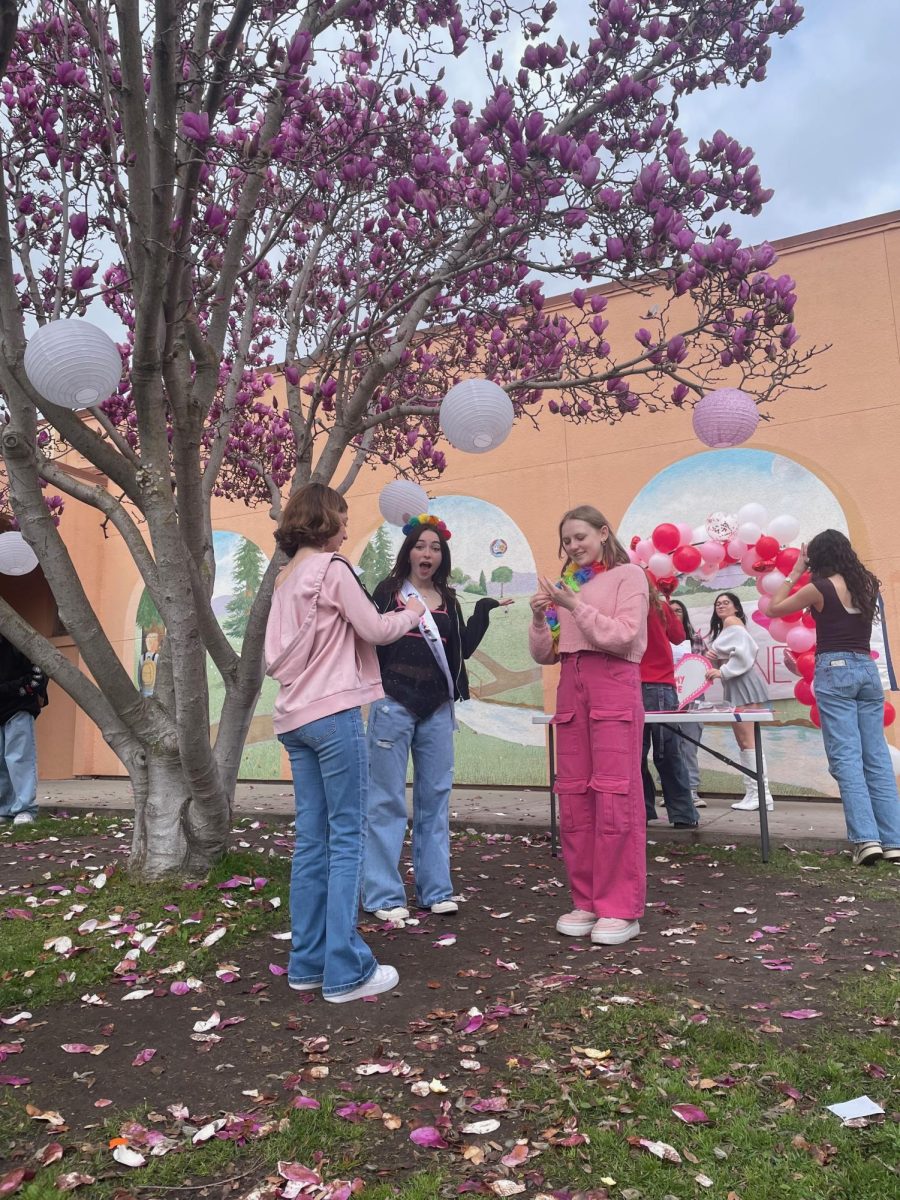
{"x":850,"y":699}
{"x":393,"y":733}
{"x":330,"y":770}
{"x":18,"y":766}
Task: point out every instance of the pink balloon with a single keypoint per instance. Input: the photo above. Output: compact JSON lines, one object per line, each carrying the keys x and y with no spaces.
{"x":763,"y":603}
{"x":747,"y":561}
{"x":761,"y":619}
{"x":644,"y":549}
{"x":687,"y":533}
{"x":737,"y":549}
{"x":633,"y":558}
{"x":779,"y":630}
{"x":712,"y":552}
{"x":874,"y":654}
{"x":800,"y":639}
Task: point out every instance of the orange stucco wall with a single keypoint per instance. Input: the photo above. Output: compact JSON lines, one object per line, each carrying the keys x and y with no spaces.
{"x":847,"y":432}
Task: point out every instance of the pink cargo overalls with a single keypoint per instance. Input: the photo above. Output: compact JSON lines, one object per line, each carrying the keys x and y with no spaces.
{"x":599,"y":732}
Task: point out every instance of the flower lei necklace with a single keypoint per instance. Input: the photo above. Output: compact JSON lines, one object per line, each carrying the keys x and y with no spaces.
{"x":574,"y":578}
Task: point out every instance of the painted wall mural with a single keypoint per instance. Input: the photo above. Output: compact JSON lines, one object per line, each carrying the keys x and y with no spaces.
{"x":240,"y":565}
{"x":724,"y":480}
{"x":497,"y":743}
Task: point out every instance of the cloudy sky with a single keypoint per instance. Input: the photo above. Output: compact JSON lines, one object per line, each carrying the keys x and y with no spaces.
{"x":823,"y":124}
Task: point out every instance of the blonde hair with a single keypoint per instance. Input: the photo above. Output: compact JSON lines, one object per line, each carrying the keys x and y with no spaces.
{"x":614,"y":553}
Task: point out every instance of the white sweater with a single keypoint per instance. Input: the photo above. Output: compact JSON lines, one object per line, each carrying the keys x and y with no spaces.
{"x":736,"y":651}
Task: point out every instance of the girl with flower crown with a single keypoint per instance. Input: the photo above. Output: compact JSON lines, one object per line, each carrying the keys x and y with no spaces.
{"x":594,"y":623}
{"x":422,"y":674}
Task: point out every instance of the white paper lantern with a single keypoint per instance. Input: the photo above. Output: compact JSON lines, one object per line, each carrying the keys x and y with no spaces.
{"x":725,"y":417}
{"x":476,"y":416}
{"x":16,"y":556}
{"x":402,"y":499}
{"x":72,"y":363}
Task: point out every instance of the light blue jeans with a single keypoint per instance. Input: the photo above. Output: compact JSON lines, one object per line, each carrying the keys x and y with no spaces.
{"x":851,"y":704}
{"x":18,"y":766}
{"x":393,"y":732}
{"x":331,"y":773}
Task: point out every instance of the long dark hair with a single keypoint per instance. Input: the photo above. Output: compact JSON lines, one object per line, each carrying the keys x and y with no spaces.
{"x":689,"y":632}
{"x":716,"y":623}
{"x":401,"y":569}
{"x":830,"y":553}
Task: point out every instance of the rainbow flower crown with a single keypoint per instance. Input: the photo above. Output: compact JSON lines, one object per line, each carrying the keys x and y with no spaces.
{"x":424,"y":520}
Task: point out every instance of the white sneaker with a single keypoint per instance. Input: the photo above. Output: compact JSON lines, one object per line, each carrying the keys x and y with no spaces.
{"x":613,"y":931}
{"x":445,"y":906}
{"x":577,"y":923}
{"x":304,"y":987}
{"x":384,"y":979}
{"x":391,"y":914}
{"x":751,"y":804}
{"x":697,"y":801}
{"x":24,"y":818}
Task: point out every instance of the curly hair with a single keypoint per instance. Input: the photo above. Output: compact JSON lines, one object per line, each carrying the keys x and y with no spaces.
{"x":830,"y":553}
{"x":311,"y":517}
{"x":716,"y":624}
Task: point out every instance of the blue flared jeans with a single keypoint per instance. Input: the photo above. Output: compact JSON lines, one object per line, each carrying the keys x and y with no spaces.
{"x":850,"y":699}
{"x":668,"y":758}
{"x":331,"y":774}
{"x":393,"y":733}
{"x":18,"y":766}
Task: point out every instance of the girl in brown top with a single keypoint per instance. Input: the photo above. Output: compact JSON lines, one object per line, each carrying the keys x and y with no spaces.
{"x":842,"y":596}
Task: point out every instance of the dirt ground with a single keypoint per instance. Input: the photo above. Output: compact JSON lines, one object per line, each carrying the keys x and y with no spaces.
{"x":729,"y":939}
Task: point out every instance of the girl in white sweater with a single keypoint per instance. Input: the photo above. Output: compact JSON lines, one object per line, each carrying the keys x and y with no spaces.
{"x":734,"y":650}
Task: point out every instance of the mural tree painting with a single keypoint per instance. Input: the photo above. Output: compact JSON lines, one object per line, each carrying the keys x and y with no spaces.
{"x":501,"y":575}
{"x":249,"y":568}
{"x":376,"y":560}
{"x":236,"y":183}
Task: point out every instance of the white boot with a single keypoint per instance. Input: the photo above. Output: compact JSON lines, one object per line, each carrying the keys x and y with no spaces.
{"x":750,"y":801}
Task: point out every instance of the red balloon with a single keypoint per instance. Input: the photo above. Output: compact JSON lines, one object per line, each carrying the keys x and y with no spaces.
{"x":804,"y":692}
{"x":791,"y":618}
{"x":766,"y":547}
{"x":806,"y":664}
{"x":686,"y":559}
{"x":666,"y":538}
{"x":890,"y":713}
{"x":808,"y":619}
{"x":786,"y":559}
{"x":814,"y":716}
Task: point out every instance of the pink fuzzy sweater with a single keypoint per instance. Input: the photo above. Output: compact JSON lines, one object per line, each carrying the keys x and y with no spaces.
{"x":611,"y":615}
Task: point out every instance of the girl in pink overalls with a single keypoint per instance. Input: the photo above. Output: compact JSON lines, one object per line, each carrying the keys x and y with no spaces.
{"x":594,"y":622}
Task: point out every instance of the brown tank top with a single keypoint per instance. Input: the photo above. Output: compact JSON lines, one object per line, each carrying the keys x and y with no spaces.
{"x":837,"y":629}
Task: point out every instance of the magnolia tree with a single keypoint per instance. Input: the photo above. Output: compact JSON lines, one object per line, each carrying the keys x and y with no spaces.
{"x":244,"y":188}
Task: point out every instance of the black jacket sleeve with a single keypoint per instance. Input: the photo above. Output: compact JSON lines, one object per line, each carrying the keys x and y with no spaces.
{"x":476,"y":627}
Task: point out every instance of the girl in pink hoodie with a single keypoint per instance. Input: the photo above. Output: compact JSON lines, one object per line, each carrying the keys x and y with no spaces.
{"x":319,"y":646}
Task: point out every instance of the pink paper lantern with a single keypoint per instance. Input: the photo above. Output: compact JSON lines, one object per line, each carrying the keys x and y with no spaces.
{"x":726,"y":417}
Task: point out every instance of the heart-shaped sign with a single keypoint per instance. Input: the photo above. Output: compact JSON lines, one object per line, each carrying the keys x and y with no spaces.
{"x":690,"y":678}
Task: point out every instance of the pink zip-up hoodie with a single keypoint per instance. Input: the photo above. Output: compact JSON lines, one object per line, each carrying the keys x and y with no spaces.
{"x":320,"y":641}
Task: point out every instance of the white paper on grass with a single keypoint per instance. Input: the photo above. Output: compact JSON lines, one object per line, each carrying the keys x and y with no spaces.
{"x":862,"y":1106}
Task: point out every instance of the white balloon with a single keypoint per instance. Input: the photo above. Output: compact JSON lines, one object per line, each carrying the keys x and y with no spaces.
{"x":749,"y":533}
{"x":785,"y":528}
{"x":700,"y":534}
{"x":752,"y":512}
{"x":660,"y":565}
{"x":771,"y":582}
{"x":895,"y":758}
